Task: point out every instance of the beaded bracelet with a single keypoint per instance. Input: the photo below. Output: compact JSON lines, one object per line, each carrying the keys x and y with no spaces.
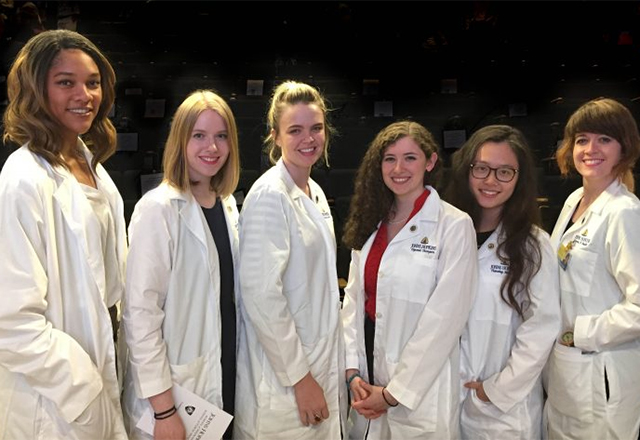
{"x":165,"y":414}
{"x":353,"y":376}
{"x":385,"y":398}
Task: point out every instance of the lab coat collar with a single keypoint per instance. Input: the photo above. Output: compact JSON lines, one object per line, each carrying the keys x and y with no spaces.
{"x":430,"y":213}
{"x":294,"y":190}
{"x":490,"y":246}
{"x":596,"y":207}
{"x":191,"y":211}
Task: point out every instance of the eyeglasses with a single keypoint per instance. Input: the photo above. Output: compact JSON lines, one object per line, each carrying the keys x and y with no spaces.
{"x":482,"y":171}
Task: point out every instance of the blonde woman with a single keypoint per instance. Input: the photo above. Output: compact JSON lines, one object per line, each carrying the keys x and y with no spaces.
{"x":179,"y":315}
{"x":290,"y":354}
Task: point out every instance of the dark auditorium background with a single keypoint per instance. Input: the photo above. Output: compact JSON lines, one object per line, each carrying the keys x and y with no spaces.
{"x":453,"y":66}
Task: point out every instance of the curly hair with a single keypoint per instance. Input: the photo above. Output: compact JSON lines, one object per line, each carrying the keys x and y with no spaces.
{"x":603,"y":116}
{"x":28,"y":119}
{"x":290,"y":93}
{"x":520,"y":213}
{"x":372,"y":199}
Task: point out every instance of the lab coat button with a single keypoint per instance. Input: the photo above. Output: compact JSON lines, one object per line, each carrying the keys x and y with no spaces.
{"x":413,"y":228}
{"x":491,"y":245}
{"x":378,"y":315}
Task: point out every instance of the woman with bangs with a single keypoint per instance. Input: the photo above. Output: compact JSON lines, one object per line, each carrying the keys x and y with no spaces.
{"x":62,"y":245}
{"x":515,"y":317}
{"x":179,"y":317}
{"x":592,"y":381}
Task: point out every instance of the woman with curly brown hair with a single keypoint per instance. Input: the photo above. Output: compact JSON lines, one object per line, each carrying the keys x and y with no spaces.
{"x":411,"y":284}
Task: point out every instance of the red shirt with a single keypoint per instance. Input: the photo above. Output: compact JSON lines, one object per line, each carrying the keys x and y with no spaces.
{"x":375,"y":256}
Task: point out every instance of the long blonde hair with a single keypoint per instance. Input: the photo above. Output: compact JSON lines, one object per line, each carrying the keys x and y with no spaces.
{"x":174,"y":161}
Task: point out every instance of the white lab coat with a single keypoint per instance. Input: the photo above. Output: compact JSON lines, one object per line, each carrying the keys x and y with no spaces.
{"x":600,"y":297}
{"x":290,"y":310}
{"x":506,"y":352}
{"x":57,"y":351}
{"x":426,"y":285}
{"x":171,"y":312}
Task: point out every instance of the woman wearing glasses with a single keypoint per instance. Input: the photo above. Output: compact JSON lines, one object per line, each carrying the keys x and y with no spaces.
{"x":516,"y":314}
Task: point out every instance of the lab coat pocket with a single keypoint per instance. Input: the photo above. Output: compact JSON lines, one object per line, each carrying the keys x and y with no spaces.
{"x":488,"y":304}
{"x":579,"y":276}
{"x":480,"y":419}
{"x":570,"y":376}
{"x":417,"y":279}
{"x":202,"y":376}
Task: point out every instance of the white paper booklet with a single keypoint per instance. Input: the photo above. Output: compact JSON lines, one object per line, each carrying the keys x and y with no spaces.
{"x":202,"y":420}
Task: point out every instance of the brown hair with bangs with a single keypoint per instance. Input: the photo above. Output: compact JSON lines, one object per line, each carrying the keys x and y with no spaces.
{"x":609,"y":117}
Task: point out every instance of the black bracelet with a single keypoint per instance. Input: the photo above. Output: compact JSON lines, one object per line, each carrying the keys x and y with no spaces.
{"x":165,"y":414}
{"x":385,"y":398}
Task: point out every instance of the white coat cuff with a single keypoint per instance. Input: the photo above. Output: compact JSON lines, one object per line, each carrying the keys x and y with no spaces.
{"x":580,"y":331}
{"x":502,"y":402}
{"x":352,"y":362}
{"x":403,"y":395}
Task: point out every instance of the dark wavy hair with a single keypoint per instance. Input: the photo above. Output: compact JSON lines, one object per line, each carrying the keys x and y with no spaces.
{"x":520,"y":214}
{"x":609,"y":117}
{"x":372,"y":199}
{"x":28,"y":118}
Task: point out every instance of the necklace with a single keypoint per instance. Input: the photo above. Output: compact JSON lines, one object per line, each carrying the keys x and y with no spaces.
{"x":395,"y":222}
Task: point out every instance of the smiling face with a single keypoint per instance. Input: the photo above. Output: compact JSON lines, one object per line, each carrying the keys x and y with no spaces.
{"x":208,"y":146}
{"x":74,"y":93}
{"x":301,"y":136}
{"x":490,"y":193}
{"x":403,"y":168}
{"x":595,"y":156}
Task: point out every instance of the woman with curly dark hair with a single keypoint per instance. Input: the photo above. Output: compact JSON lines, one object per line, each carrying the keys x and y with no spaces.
{"x":411,"y":284}
{"x":516,"y":314}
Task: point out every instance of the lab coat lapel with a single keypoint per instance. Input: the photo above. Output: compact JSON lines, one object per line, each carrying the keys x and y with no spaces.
{"x":83,"y":224}
{"x":192,"y":216}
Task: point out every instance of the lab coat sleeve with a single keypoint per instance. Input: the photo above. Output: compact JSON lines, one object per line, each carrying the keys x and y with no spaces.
{"x":535,"y":336}
{"x":352,"y":315}
{"x":148,"y":272}
{"x":50,"y":360}
{"x":264,"y":256}
{"x":443,"y":318}
{"x":620,"y":323}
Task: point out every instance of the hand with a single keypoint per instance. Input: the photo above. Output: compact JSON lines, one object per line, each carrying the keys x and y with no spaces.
{"x":355,"y":386}
{"x":312,"y":406}
{"x":479,"y":390}
{"x":170,"y":428}
{"x":374,"y":405}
